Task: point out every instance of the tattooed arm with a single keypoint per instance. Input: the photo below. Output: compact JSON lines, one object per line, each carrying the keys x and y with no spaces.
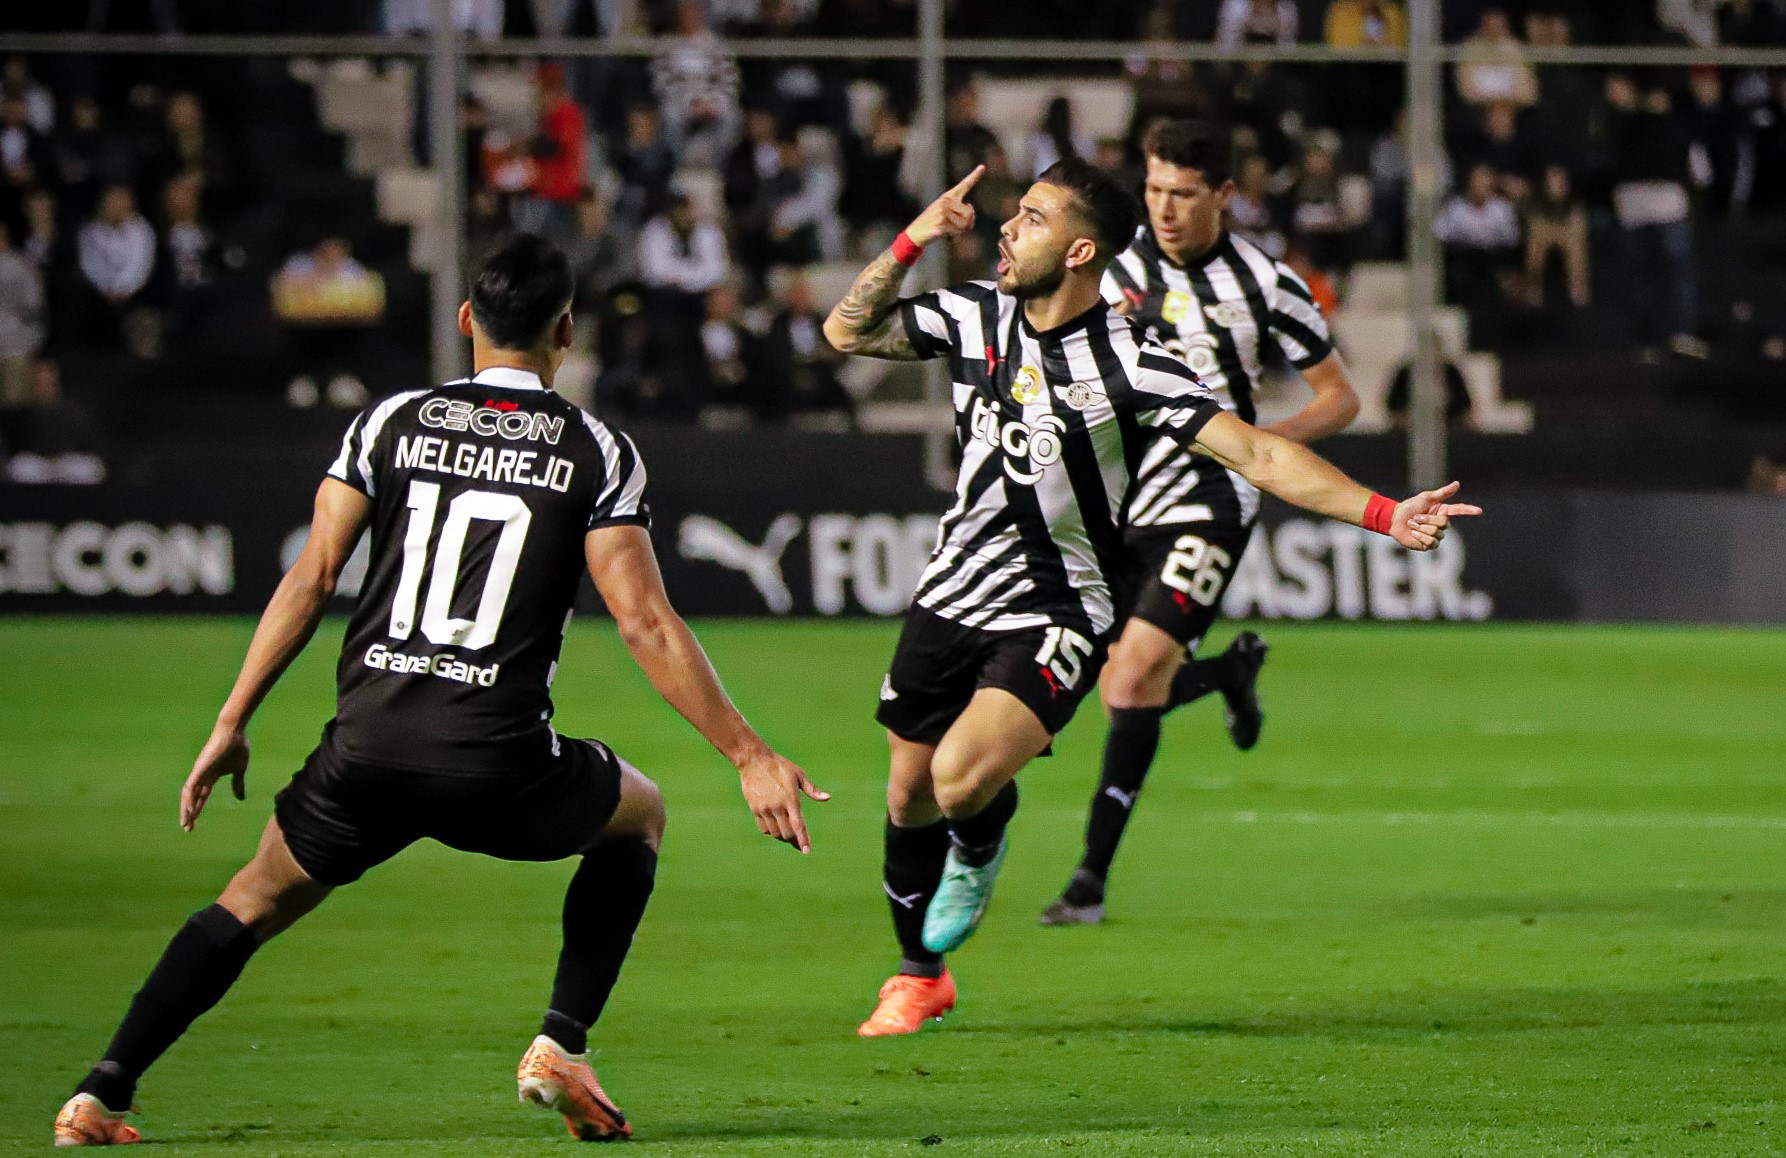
{"x":866,"y":320}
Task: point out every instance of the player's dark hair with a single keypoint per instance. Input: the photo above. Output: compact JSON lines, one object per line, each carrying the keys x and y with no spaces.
{"x":519,"y":290}
{"x":1191,"y":145}
{"x":1107,"y":206}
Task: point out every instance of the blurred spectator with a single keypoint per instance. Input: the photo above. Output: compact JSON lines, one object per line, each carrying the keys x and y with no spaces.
{"x":750,"y":176}
{"x":1367,"y":24}
{"x":1480,"y":233}
{"x":88,"y":157}
{"x":1321,"y":214}
{"x":40,"y":106}
{"x":480,"y":18}
{"x":965,"y":140}
{"x":43,"y":242}
{"x":1269,"y":102}
{"x":328,"y":299}
{"x":1695,"y":21}
{"x":602,"y":254}
{"x":117,"y":256}
{"x":1767,"y":477}
{"x":186,"y":144}
{"x":872,"y":197}
{"x":54,"y":441}
{"x":1256,"y":22}
{"x":21,"y":320}
{"x":1320,"y":286}
{"x":680,"y":260}
{"x":801,"y":366}
{"x":1251,"y":212}
{"x":729,"y":353}
{"x":803,"y":224}
{"x":559,"y":161}
{"x":1717,"y":129}
{"x":1165,"y":84}
{"x":1556,"y":222}
{"x":696,"y":85}
{"x":1498,"y":144}
{"x":24,"y":155}
{"x":1652,"y":168}
{"x":644,"y":162}
{"x":1557,"y":127}
{"x":995,"y":198}
{"x":1055,"y":138}
{"x":800,"y":92}
{"x":185,"y":263}
{"x":1494,"y":67}
{"x":1751,"y":24}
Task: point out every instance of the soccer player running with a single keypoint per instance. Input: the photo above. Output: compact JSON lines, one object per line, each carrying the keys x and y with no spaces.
{"x":1213,"y":300}
{"x":487,"y":497}
{"x":1057,"y":398}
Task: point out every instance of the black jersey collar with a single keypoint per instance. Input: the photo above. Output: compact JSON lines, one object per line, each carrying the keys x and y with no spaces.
{"x":505,"y":378}
{"x":1066,"y":327}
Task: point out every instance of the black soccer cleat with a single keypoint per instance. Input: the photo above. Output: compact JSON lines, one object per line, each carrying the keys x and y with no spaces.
{"x":1081,"y":904}
{"x":1242,"y":712}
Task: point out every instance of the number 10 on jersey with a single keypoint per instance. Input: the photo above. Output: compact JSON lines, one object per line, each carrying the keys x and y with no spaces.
{"x":438,"y":624}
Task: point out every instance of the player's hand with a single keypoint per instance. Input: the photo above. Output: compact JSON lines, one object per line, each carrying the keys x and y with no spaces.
{"x":949,"y":215}
{"x":225,"y":754}
{"x":1420,"y":522}
{"x":772,"y":786}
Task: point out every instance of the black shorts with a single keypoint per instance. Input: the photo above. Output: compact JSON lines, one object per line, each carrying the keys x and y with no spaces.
{"x":341,"y":816}
{"x":939,"y":665}
{"x":1173,"y":576}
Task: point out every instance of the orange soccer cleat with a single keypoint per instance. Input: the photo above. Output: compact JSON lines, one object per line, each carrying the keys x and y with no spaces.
{"x":564,"y":1082}
{"x":84,"y":1121}
{"x":907,"y":1002}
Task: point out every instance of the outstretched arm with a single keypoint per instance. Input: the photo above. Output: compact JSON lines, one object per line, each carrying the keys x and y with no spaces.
{"x":285,"y":627}
{"x":624,"y":567}
{"x":865,"y":321}
{"x":1298,"y":475}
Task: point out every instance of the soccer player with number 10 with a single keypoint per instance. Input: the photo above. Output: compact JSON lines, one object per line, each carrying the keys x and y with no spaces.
{"x":1057,"y":398}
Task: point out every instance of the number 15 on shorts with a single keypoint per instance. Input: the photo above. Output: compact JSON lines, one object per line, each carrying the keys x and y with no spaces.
{"x":1064,"y":652}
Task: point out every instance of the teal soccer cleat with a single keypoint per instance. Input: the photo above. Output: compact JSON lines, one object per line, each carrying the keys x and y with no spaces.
{"x":960,"y":900}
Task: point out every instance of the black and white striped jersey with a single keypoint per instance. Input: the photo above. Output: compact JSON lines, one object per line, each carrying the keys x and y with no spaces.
{"x":482,"y":493}
{"x":1214,"y":314}
{"x":1052,"y":426}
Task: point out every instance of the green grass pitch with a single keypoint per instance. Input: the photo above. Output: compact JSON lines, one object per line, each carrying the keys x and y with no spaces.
{"x":1479,"y":891}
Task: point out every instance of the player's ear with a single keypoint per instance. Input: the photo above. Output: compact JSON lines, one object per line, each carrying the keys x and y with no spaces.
{"x":564,"y":331}
{"x":1225,"y":194}
{"x":465,"y":318}
{"x":1083,"y":252}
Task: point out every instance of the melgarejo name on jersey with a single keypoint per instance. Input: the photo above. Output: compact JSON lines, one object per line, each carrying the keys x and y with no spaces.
{"x":496,"y":464}
{"x":445,"y":666}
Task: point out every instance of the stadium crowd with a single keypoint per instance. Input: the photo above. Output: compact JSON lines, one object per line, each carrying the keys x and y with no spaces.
{"x":703,"y":196}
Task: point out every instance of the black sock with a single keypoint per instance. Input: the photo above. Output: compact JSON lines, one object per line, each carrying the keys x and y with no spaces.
{"x":1128,"y":753}
{"x":602,"y":909}
{"x":1199,"y":677}
{"x":977,"y":837}
{"x":912,"y":869}
{"x":199,"y":965}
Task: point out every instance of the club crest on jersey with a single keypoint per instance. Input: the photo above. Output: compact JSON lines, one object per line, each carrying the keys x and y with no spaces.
{"x":1176,"y":306}
{"x":1199,"y":355}
{"x":1227,"y":314}
{"x":1080,"y":395}
{"x":1027,"y":386}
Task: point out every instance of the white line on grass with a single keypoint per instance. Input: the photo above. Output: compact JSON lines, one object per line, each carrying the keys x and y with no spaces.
{"x":1471,"y":819}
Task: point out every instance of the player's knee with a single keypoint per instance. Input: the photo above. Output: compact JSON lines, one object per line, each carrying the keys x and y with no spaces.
{"x":1134,"y":679}
{"x":911,"y":805}
{"x":654,"y":817}
{"x":963,"y":785}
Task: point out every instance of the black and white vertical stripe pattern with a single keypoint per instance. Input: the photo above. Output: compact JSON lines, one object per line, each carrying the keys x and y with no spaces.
{"x":1051,"y":425}
{"x":621,"y":496}
{"x":353,"y":465}
{"x":1215,"y":314}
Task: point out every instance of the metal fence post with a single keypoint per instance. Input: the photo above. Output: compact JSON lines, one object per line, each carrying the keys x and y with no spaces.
{"x":446,"y":68}
{"x":1426,"y":152}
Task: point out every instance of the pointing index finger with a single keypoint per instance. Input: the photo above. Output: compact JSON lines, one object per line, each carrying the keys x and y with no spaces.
{"x":967,"y":183}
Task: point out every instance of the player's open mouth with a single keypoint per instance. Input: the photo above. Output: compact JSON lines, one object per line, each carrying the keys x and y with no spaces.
{"x":1004,"y":261}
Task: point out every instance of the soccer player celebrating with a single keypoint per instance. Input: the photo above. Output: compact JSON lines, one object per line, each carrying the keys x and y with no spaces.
{"x":1057,"y":398}
{"x":1213,"y":300}
{"x":486,"y":498}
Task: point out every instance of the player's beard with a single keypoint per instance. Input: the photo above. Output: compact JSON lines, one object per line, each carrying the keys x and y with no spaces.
{"x":1021,"y":283}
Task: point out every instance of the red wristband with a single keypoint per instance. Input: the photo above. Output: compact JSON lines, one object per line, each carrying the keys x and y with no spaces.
{"x":1379,"y":513}
{"x":905,"y":250}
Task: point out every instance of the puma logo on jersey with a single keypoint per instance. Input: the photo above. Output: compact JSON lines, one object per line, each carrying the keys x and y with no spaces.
{"x":1126,"y":799}
{"x":709,"y":540}
{"x":887,"y":692}
{"x":904,"y":902}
